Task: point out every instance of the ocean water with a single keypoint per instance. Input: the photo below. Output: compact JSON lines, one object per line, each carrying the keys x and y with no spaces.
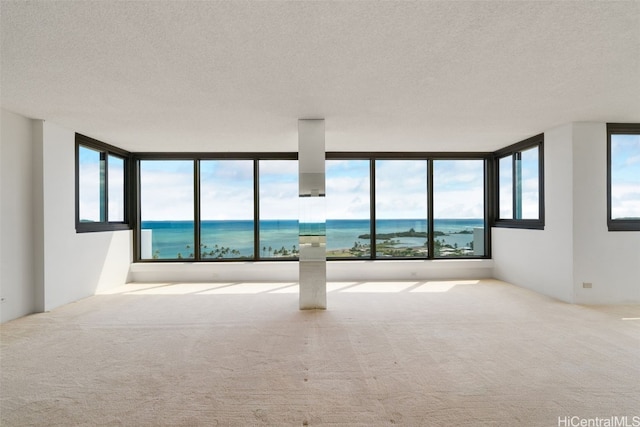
{"x":175,"y":239}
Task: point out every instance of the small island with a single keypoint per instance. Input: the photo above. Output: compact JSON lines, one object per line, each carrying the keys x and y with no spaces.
{"x":410,"y":233}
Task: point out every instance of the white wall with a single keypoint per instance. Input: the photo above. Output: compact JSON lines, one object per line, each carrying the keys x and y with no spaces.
{"x":610,"y":261}
{"x":75,"y":265}
{"x":45,"y":263}
{"x":575,"y":246}
{"x":542,"y":260}
{"x":16,"y":217}
{"x":288,"y":271}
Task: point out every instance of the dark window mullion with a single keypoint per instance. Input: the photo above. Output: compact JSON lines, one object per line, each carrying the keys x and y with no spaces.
{"x":256,"y":210}
{"x":517,"y":172}
{"x":104,"y":194}
{"x":541,"y":182}
{"x":135,"y":207}
{"x":430,"y":219}
{"x":489,"y":215}
{"x":372,"y":207}
{"x":196,"y":210}
{"x":513,"y":187}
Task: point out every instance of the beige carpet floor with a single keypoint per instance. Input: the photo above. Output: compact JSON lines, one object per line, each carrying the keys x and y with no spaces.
{"x":462,"y":353}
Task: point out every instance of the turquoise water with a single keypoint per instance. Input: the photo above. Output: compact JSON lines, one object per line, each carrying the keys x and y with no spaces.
{"x":234,"y":239}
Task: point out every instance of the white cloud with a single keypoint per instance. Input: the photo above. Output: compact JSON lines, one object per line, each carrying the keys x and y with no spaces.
{"x":279,"y":200}
{"x":625,"y":201}
{"x":89,"y":175}
{"x":348,"y":198}
{"x":632,"y":160}
{"x":279,"y":167}
{"x":166,"y":195}
{"x":459,"y":204}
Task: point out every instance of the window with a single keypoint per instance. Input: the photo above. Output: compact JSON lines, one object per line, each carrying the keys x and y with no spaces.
{"x":401,"y":209}
{"x":623,"y":177}
{"x":279,"y":207}
{"x":167,"y":220}
{"x":226,"y":209}
{"x":402,"y":199}
{"x":101,"y":186}
{"x":246,"y":206}
{"x":348,"y":208}
{"x":458,"y":208}
{"x":520,"y":185}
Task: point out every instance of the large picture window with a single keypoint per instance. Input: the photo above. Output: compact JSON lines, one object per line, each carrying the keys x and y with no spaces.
{"x":458,"y":208}
{"x":348,"y":208}
{"x":226,"y":209}
{"x":101,"y":186}
{"x":279,"y":207}
{"x":401,"y":209}
{"x":193,"y":207}
{"x":520,"y":185}
{"x":167,"y":209}
{"x":623,"y":177}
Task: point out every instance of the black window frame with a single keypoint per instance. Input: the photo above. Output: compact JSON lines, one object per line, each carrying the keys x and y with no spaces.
{"x":619,"y":129}
{"x":428,"y":157}
{"x":105,"y":150}
{"x":257,"y":157}
{"x":515,"y":150}
{"x":196,"y":157}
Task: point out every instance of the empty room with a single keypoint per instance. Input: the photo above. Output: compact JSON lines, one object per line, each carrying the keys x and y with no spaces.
{"x":292,"y":213}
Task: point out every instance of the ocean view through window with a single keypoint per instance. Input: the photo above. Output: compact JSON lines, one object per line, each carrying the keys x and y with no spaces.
{"x":401,"y":209}
{"x":458,"y":206}
{"x":216,"y":209}
{"x":226,"y":209}
{"x":348,"y":208}
{"x":167,"y":209}
{"x":279,"y":206}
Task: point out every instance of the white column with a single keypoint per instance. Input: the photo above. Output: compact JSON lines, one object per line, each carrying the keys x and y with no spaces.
{"x":312,"y":246}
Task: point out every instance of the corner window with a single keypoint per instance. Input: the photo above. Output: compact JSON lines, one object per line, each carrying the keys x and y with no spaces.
{"x":623,"y":177}
{"x":101,"y":179}
{"x":520,"y":185}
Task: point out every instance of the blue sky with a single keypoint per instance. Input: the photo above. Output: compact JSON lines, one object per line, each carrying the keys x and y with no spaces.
{"x":227,"y":187}
{"x":90,"y":186}
{"x":530,"y":198}
{"x":625,"y":176}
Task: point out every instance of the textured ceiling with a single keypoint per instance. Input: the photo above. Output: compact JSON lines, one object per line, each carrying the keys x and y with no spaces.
{"x":386,"y":76}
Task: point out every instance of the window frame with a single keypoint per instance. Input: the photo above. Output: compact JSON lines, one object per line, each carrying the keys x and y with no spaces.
{"x":514,"y":150}
{"x":196,"y":157}
{"x":619,"y":224}
{"x":428,"y":157}
{"x":106,"y":150}
{"x":256,"y":157}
